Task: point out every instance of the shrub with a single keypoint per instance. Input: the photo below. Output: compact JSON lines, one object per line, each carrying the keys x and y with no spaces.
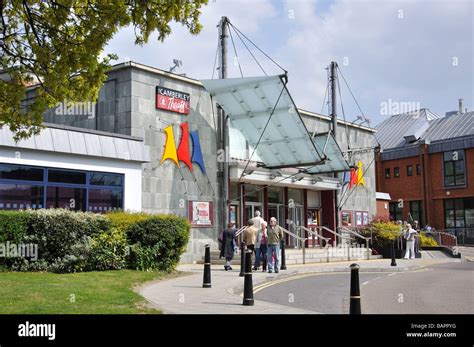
{"x":63,"y":237}
{"x":427,"y":241}
{"x":108,"y":251}
{"x":13,"y":225}
{"x":123,"y":220}
{"x":158,"y":242}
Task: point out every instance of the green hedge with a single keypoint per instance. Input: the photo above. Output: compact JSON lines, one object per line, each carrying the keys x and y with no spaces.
{"x":71,"y":241}
{"x":158,"y":242}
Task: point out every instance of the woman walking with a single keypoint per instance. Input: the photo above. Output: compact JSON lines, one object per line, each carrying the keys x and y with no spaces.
{"x":228,"y":245}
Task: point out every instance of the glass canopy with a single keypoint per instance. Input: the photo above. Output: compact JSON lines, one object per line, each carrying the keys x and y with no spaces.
{"x":261,"y":107}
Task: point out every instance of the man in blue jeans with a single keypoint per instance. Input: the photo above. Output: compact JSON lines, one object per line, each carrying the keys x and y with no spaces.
{"x":275,"y":235}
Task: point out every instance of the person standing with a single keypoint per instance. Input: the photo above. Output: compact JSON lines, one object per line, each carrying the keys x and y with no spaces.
{"x":261,"y":247}
{"x":275,"y":235}
{"x":257,"y":220}
{"x":410,"y":235}
{"x":228,"y":245}
{"x":250,"y":236}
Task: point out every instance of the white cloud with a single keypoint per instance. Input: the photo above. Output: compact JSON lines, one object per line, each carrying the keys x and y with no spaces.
{"x":403,"y":59}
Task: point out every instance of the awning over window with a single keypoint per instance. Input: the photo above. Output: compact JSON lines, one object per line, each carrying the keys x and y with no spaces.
{"x":249,"y":102}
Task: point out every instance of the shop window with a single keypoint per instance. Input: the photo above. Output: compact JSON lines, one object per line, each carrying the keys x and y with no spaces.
{"x":21,"y":173}
{"x":275,"y":195}
{"x":104,"y":200}
{"x":66,"y":197}
{"x":66,"y":176}
{"x":296,"y":195}
{"x":396,"y":172}
{"x":106,"y":179}
{"x":409,"y":170}
{"x":459,"y":213}
{"x":454,"y":169}
{"x":387,"y":173}
{"x":21,"y":196}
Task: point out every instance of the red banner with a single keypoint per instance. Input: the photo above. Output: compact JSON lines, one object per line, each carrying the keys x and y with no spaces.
{"x":172,"y":100}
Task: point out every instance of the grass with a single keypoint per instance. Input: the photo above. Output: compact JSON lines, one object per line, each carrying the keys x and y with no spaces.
{"x":104,"y":292}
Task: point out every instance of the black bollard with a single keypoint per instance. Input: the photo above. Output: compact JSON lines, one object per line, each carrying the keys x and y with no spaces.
{"x":242,"y":259}
{"x":206,"y":282}
{"x":355,"y":291}
{"x":394,"y":262}
{"x":283,"y":258}
{"x":248,"y":284}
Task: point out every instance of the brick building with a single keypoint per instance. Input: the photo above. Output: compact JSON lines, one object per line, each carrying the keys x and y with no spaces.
{"x":426,"y":164}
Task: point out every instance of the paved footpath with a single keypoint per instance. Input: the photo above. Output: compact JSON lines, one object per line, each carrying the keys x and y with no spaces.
{"x":185,"y":295}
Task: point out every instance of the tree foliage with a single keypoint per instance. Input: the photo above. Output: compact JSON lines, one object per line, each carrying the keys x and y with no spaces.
{"x":59,"y":46}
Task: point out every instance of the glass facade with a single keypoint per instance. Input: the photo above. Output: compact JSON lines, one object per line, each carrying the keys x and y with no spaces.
{"x":24,"y":187}
{"x":396,"y":212}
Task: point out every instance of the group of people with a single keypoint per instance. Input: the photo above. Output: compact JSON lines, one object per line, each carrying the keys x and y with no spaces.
{"x":259,"y":237}
{"x":410,"y":233}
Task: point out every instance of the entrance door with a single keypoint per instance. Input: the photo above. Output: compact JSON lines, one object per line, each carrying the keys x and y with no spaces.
{"x":250,"y":209}
{"x":295,"y":216}
{"x":312,"y":220}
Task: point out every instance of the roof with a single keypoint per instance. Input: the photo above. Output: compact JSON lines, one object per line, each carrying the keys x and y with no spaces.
{"x":80,"y":142}
{"x":406,"y":129}
{"x":461,"y":124}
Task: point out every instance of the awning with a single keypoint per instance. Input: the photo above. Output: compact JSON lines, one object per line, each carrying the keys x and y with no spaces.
{"x":249,"y":102}
{"x":335,"y":161}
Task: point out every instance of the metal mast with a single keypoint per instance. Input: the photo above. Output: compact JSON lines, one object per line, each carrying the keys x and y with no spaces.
{"x":332,"y":82}
{"x":223,"y":120}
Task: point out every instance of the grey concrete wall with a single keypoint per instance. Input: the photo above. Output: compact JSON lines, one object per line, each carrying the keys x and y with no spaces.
{"x":112,"y":111}
{"x":164,"y":191}
{"x":361,"y":198}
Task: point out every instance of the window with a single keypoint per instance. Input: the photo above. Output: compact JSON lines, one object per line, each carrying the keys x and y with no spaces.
{"x":20,"y":196}
{"x":396,"y":172}
{"x":459,"y":213}
{"x":275,"y":195}
{"x":396,"y":212}
{"x":346,"y":218}
{"x":69,"y":189}
{"x":415,"y":211}
{"x":103,"y":200}
{"x":66,"y":176}
{"x":387,"y":173}
{"x":66,"y":197}
{"x":418,"y":169}
{"x":105,"y":179}
{"x":20,"y":172}
{"x":409,"y":170}
{"x":454,"y":170}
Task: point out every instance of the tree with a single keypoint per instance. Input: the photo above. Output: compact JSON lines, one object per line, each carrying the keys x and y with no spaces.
{"x":58,"y":45}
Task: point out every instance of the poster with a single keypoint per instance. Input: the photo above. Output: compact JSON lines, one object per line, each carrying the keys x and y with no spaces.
{"x":365,"y":218}
{"x":346,"y":218}
{"x":232,"y":214}
{"x":358,"y":218}
{"x":200,"y":213}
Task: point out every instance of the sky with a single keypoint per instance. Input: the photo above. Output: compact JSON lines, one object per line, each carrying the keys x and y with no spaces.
{"x":395,"y":55}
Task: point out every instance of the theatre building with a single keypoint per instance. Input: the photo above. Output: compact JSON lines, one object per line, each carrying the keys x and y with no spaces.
{"x":153,"y":142}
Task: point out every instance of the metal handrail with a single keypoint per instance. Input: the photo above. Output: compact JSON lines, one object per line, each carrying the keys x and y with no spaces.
{"x":332,"y":232}
{"x":453,"y":237}
{"x":360,"y":236}
{"x":355,"y":233}
{"x":314,"y":233}
{"x":240,"y":231}
{"x":302,"y":239}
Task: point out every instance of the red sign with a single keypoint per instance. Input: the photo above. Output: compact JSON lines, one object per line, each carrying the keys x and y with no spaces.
{"x":172,"y":100}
